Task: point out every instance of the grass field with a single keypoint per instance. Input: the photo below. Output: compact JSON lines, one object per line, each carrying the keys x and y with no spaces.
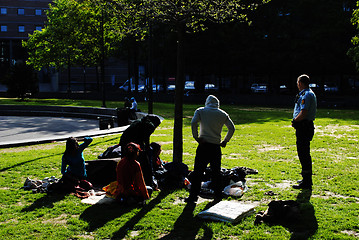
{"x":263,"y":140}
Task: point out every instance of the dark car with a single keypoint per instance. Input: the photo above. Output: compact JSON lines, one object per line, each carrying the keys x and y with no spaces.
{"x":259,"y":88}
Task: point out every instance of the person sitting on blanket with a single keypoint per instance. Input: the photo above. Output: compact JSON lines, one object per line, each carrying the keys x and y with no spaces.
{"x":130,"y":186}
{"x":73,"y":167}
{"x":157,"y":163}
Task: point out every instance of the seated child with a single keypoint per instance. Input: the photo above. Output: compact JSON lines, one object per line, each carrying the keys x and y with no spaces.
{"x":157,"y":163}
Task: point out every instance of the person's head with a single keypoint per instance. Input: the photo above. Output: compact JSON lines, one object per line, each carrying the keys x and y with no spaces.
{"x":133,"y":99}
{"x":71,"y":146}
{"x":155,"y":120}
{"x":303,"y":82}
{"x":132,"y":150}
{"x":156,"y":147}
{"x":212,"y":101}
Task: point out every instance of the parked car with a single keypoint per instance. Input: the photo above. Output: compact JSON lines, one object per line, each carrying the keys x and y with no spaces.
{"x":124,"y":87}
{"x":283,"y":89}
{"x":171,"y":88}
{"x":259,"y":88}
{"x":314,"y":86}
{"x":157,"y":88}
{"x":210,"y":87}
{"x":330,"y":87}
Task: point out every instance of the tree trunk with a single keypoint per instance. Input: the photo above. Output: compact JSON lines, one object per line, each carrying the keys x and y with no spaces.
{"x":178,"y":121}
{"x":150,"y":71}
{"x":68,"y":74}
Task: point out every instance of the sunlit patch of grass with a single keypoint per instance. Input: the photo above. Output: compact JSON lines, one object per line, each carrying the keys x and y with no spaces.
{"x":264,"y":140}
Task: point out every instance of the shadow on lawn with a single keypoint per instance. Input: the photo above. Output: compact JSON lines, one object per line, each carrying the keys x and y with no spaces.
{"x":47,"y":201}
{"x":305,"y":225}
{"x":28,"y":161}
{"x":98,"y":215}
{"x":187,"y":225}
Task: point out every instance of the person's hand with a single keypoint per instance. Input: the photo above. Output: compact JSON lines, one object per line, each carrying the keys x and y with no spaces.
{"x":223,"y":144}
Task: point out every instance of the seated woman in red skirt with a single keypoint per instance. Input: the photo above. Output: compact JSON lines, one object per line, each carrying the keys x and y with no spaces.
{"x":130,"y":186}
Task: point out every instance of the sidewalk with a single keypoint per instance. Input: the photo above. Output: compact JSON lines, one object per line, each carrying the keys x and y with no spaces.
{"x":19,"y":131}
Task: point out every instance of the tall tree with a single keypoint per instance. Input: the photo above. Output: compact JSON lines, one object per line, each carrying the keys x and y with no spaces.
{"x":184,"y":17}
{"x":77,"y":33}
{"x":353,"y":52}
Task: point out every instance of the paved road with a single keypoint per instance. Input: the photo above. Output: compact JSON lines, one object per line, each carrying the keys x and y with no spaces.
{"x":17,"y":131}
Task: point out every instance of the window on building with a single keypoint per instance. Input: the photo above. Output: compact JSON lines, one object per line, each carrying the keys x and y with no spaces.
{"x":21,"y":29}
{"x":3,"y":10}
{"x":38,"y":12}
{"x":38,"y":28}
{"x":20,"y":11}
{"x":3,"y":28}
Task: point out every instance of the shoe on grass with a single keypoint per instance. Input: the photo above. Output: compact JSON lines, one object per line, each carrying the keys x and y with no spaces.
{"x":302,"y":186}
{"x":191,"y":200}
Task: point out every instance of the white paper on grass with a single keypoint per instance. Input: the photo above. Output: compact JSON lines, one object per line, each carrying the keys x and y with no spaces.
{"x":228,"y":211}
{"x":102,"y":199}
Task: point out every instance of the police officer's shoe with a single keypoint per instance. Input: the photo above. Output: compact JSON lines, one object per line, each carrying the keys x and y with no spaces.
{"x":191,"y":199}
{"x":302,"y":186}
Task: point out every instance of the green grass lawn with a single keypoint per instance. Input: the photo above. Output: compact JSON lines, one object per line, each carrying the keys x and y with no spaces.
{"x":264,"y":140}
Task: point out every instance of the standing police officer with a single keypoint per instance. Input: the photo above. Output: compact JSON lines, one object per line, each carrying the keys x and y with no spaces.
{"x":304,"y":114}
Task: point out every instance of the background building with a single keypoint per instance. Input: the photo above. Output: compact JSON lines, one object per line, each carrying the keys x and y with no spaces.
{"x":18,"y":19}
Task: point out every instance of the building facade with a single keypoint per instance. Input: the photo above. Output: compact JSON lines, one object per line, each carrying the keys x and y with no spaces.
{"x":18,"y":19}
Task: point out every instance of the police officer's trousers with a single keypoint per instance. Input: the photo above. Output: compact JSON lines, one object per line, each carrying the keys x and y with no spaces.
{"x":304,"y":134}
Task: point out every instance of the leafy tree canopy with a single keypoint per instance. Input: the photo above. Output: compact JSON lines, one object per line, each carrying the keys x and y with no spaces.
{"x":354,"y":51}
{"x":73,"y":34}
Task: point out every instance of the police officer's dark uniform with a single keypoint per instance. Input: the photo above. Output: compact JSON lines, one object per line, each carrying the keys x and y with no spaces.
{"x":305,"y":100}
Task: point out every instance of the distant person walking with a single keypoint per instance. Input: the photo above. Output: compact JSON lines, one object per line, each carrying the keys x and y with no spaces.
{"x":304,"y":114}
{"x":211,"y":120}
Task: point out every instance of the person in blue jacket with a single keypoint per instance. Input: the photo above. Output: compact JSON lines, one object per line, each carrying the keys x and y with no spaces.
{"x":73,"y":166}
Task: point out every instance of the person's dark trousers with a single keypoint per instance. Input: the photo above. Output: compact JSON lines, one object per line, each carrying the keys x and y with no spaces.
{"x":304,"y":134}
{"x":146,"y":168}
{"x":206,"y":153}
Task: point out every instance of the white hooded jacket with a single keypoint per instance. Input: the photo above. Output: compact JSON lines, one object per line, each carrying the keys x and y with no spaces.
{"x":211,"y":119}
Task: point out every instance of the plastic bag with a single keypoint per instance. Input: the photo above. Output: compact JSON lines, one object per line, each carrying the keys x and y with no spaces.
{"x":236,"y":189}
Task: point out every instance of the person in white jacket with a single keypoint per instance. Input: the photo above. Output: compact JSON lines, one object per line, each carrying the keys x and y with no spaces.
{"x":211,"y":120}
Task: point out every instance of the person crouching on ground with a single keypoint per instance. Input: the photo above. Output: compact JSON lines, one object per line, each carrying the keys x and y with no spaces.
{"x":73,"y":167}
{"x":130,"y":186}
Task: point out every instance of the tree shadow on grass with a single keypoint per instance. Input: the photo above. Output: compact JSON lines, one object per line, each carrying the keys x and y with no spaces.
{"x":129,"y":225}
{"x":98,"y":215}
{"x":28,"y":161}
{"x":47,"y":201}
{"x":187,"y":225}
